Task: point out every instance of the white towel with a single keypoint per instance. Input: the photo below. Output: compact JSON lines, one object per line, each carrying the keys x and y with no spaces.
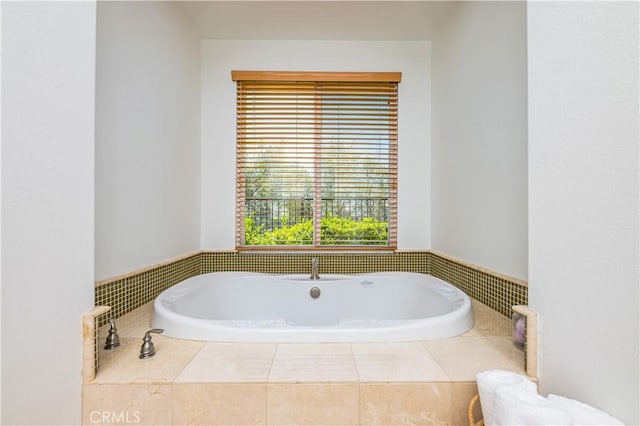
{"x":489,"y":380}
{"x":515,"y":406}
{"x":583,"y":414}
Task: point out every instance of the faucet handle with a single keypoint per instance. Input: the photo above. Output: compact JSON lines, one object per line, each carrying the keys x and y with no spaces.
{"x":113,"y":340}
{"x":147,"y":350}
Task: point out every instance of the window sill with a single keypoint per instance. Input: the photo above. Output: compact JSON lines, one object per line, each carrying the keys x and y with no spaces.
{"x":327,"y":249}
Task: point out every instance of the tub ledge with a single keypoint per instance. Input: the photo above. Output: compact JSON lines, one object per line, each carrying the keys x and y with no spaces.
{"x":89,"y":362}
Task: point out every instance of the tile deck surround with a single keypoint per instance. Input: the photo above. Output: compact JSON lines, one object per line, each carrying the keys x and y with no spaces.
{"x":195,"y":382}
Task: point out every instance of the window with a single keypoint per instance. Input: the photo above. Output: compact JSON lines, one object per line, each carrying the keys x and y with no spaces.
{"x":316,"y":160}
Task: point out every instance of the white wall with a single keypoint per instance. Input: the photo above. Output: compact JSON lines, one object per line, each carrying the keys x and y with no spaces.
{"x":48,"y":68}
{"x":479,"y":137}
{"x":583,"y":200}
{"x":219,"y":57}
{"x":147,"y":136}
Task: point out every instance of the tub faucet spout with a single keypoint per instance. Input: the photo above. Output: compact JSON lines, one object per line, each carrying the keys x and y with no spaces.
{"x":314,"y":269}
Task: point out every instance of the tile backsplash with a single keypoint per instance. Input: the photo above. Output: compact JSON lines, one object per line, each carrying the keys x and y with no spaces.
{"x":126,"y":293}
{"x":497,"y":291}
{"x":330,"y":263}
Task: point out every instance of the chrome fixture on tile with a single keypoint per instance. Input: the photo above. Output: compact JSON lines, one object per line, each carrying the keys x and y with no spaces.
{"x":113,"y":340}
{"x":314,"y":292}
{"x":147,"y":350}
{"x":314,"y":269}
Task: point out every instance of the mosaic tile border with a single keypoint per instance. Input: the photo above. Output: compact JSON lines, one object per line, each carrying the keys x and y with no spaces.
{"x":130,"y":291}
{"x":329,"y":263}
{"x":127,"y":292}
{"x":497,"y":291}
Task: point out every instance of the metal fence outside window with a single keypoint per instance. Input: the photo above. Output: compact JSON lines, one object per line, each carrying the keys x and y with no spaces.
{"x":272,"y":213}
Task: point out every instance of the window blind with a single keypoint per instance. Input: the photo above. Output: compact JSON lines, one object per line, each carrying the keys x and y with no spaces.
{"x":316,"y":160}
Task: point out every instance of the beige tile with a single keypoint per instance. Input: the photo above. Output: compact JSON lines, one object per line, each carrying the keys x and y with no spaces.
{"x":312,"y":404}
{"x":230,"y":363}
{"x":505,"y":345}
{"x":472,"y":333}
{"x":294,"y":363}
{"x":461,"y":394}
{"x":122,"y":364}
{"x":463,"y":357}
{"x":531,"y":337}
{"x":220,"y":404}
{"x":148,"y":404}
{"x":89,"y":360}
{"x":405,"y":404}
{"x":489,"y":322}
{"x":396,"y":362}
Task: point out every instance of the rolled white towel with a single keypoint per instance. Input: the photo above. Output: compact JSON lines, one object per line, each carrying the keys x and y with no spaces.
{"x":515,"y":406}
{"x":489,"y":380}
{"x":583,"y":414}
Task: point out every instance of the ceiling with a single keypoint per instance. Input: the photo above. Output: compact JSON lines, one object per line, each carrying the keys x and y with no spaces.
{"x":317,"y":20}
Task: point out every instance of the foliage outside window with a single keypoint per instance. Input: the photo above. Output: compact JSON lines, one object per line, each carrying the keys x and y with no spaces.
{"x":316,"y":160}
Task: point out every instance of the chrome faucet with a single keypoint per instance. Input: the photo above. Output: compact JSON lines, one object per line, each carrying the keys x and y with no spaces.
{"x":314,"y":269}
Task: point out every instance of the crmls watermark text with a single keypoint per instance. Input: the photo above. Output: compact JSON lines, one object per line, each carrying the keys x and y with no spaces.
{"x":110,"y":417}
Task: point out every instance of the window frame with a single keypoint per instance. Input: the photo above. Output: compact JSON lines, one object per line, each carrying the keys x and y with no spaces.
{"x":319,"y":78}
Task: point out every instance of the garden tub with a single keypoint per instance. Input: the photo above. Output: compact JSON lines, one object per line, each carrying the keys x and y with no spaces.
{"x":251,"y":307}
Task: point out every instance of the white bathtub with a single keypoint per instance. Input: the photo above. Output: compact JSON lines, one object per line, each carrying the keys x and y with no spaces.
{"x":250,"y":307}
